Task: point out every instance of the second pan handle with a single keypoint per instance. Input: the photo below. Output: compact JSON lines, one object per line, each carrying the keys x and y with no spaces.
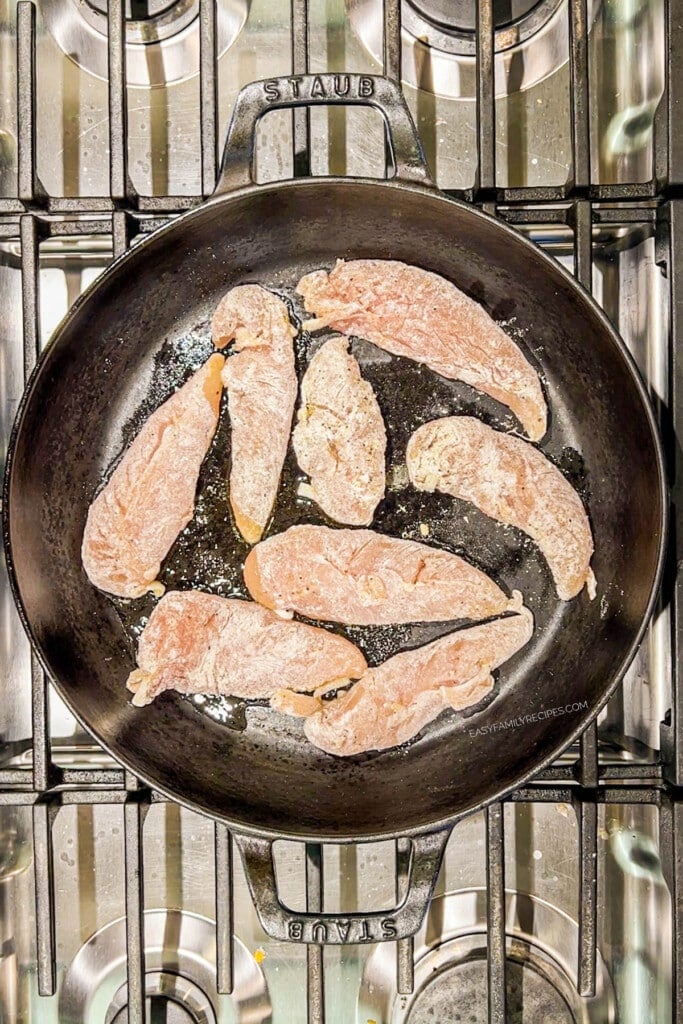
{"x":258,"y":98}
{"x":278,"y":921}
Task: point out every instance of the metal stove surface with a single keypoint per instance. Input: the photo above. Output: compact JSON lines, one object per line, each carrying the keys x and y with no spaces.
{"x":532,"y":114}
{"x":543,"y":869}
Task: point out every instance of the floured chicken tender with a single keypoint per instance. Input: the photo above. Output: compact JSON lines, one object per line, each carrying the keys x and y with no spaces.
{"x":414,"y":313}
{"x":150,"y":496}
{"x":365,"y":578}
{"x":339,"y":438}
{"x":260,"y":379}
{"x":391,"y":703}
{"x":512,"y":482}
{"x":199,"y":643}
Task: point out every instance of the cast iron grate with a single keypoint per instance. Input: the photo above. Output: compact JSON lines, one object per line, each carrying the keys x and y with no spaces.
{"x":578,"y":205}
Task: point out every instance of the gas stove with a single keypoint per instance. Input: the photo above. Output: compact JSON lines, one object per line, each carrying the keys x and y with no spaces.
{"x":559,"y":905}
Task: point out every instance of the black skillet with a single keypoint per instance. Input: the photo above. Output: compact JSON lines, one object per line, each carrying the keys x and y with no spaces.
{"x":145,"y":320}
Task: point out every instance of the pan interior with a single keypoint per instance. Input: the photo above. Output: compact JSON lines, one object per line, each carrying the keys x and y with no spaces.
{"x":145,"y":326}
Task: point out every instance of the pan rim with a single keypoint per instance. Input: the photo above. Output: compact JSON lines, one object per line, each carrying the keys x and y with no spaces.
{"x":552,"y":268}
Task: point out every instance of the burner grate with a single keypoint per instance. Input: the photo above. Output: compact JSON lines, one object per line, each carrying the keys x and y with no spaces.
{"x":579,"y":205}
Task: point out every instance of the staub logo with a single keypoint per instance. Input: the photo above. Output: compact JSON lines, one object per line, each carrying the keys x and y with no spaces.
{"x":319,"y":87}
{"x":341,"y":930}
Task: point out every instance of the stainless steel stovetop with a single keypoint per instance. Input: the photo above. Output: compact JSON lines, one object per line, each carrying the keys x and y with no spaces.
{"x":580,"y":871}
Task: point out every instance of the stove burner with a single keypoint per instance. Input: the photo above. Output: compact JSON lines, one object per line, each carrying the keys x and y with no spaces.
{"x":180,"y":979}
{"x":438,"y":38}
{"x":530,"y":996}
{"x":162,"y":36}
{"x":450,"y":968}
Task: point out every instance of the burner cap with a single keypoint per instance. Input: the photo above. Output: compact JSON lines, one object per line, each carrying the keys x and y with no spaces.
{"x":162,"y":1007}
{"x":162,"y":36}
{"x":459,"y":993}
{"x":449,"y":26}
{"x":171,"y":998}
{"x":142,"y":10}
{"x":460,"y":15}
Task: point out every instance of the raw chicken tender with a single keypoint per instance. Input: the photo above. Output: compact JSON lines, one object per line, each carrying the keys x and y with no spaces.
{"x":339,"y":439}
{"x":150,"y":496}
{"x":199,"y":643}
{"x":260,"y":380}
{"x":365,"y":578}
{"x":391,"y":703}
{"x":513,"y":482}
{"x":414,"y":313}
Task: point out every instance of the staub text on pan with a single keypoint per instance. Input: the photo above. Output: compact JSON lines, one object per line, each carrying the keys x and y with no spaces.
{"x":318,"y":87}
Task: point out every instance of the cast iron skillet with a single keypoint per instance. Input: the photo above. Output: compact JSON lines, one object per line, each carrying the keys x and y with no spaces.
{"x":267,"y":781}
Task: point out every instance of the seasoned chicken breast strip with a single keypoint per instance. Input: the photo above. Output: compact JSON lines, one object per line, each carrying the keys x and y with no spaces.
{"x":414,"y":313}
{"x":150,"y":496}
{"x":199,"y":643}
{"x":367,"y":578}
{"x":391,"y":703}
{"x":339,"y":439}
{"x":513,"y":482}
{"x":260,"y":379}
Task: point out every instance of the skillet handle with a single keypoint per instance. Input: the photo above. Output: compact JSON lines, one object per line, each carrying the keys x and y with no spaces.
{"x":256,"y":99}
{"x":287,"y":925}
